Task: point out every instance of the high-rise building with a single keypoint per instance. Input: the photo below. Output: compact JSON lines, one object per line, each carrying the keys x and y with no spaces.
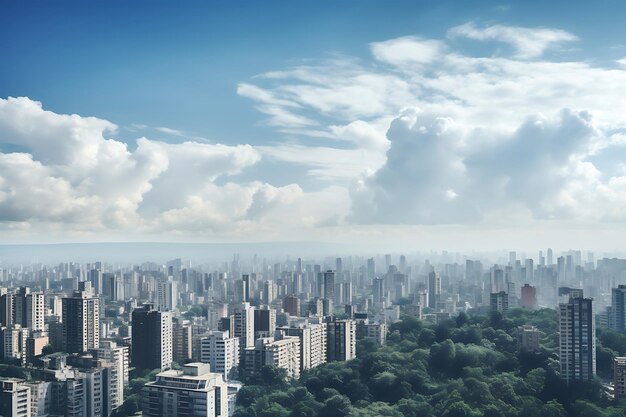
{"x":291,"y":305}
{"x":81,"y":321}
{"x":326,"y":284}
{"x":434,"y":289}
{"x":243,"y":325}
{"x":618,"y":311}
{"x":241,"y":291}
{"x":550,"y":258}
{"x":313,"y":341}
{"x":619,"y":377}
{"x":529,"y":296}
{"x":283,"y":353}
{"x":577,"y":339}
{"x":341,"y":340}
{"x":15,"y":398}
{"x":13,"y":341}
{"x":499,"y":302}
{"x":269,"y":292}
{"x":371,"y":268}
{"x":167,"y":295}
{"x":377,"y":289}
{"x":118,"y":356}
{"x":264,"y":322}
{"x":193,"y":391}
{"x":24,"y":308}
{"x":181,"y":341}
{"x":151,"y":338}
{"x":221,"y":352}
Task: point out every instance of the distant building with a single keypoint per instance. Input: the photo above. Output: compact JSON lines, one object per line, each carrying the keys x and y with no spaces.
{"x":619,"y":377}
{"x":291,"y":305}
{"x":528,"y":338}
{"x":181,"y":341}
{"x":499,"y":302}
{"x":193,"y":391}
{"x":434,"y":289}
{"x":528,"y":297}
{"x":618,"y":310}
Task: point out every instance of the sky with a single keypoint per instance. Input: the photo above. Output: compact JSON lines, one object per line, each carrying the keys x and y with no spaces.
{"x":424,"y":124}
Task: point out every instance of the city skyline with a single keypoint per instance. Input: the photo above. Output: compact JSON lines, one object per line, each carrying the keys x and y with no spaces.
{"x":475,"y":127}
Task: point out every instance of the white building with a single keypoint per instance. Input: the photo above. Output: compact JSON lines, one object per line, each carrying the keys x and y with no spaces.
{"x":192,"y":391}
{"x":313,"y":341}
{"x":221,"y":352}
{"x":283,"y":353}
{"x":244,"y":324}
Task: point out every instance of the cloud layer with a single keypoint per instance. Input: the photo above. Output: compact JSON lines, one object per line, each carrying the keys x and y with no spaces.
{"x":420,"y":134}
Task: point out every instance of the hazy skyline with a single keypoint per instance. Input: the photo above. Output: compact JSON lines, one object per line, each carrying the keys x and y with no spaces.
{"x":493,"y":126}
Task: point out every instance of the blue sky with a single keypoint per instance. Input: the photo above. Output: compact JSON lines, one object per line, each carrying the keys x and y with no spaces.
{"x":257,"y":79}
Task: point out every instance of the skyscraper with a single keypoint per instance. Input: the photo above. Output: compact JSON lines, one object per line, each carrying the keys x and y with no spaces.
{"x":243,"y":326}
{"x":618,"y":298}
{"x":341,"y":340}
{"x":434,"y":289}
{"x":577,"y":339}
{"x":151,"y":338}
{"x":81,"y":321}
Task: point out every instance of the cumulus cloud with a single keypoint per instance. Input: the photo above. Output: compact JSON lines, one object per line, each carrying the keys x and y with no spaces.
{"x":420,"y":134}
{"x":73,"y":177}
{"x":438,"y":173}
{"x":496,"y":137}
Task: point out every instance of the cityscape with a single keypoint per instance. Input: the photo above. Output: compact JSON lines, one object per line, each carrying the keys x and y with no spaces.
{"x":407,"y":208}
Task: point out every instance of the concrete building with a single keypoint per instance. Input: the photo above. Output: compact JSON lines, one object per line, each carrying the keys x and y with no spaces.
{"x":528,"y":338}
{"x":577,"y":339}
{"x":528,"y":297}
{"x":151,"y":338}
{"x":181,"y":341}
{"x":499,"y":301}
{"x":193,"y":391}
{"x":283,"y":353}
{"x":619,"y":377}
{"x":221,"y":352}
{"x":291,"y":305}
{"x":15,"y":398}
{"x":110,"y":352}
{"x":341,"y":340}
{"x":81,"y":321}
{"x":264,"y":322}
{"x":313,"y":341}
{"x":243,"y":324}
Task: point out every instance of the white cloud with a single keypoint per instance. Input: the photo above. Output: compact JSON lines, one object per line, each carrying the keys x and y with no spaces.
{"x":408,"y":50}
{"x":96,"y":185}
{"x":420,"y":134}
{"x":528,"y":42}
